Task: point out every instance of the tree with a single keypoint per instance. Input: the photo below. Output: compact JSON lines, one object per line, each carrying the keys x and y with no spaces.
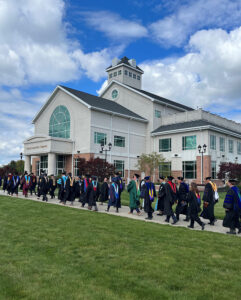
{"x":97,"y":167}
{"x":230,"y":170}
{"x":148,"y":163}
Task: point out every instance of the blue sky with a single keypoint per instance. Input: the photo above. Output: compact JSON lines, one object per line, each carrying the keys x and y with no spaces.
{"x":189,"y":50}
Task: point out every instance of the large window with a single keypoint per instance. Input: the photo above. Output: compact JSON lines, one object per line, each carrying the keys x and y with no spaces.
{"x":120,"y":166}
{"x":165,"y":145}
{"x":213,"y":142}
{"x":44,"y":163}
{"x":165,"y":169}
{"x":60,"y":164}
{"x":100,"y":138}
{"x":119,"y":141}
{"x":76,"y":167}
{"x":239,"y":147}
{"x":189,"y":169}
{"x":157,"y":113}
{"x":189,"y":142}
{"x":230,"y":146}
{"x":59,"y":125}
{"x":222,"y":144}
{"x":214,"y":169}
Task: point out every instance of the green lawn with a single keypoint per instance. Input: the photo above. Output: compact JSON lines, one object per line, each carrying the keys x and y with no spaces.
{"x":55,"y":252}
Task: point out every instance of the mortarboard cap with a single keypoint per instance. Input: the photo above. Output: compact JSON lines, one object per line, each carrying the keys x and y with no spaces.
{"x":180,"y":178}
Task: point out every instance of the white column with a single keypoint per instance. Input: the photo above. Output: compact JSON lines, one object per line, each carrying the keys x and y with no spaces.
{"x":51,"y":163}
{"x":27,"y":163}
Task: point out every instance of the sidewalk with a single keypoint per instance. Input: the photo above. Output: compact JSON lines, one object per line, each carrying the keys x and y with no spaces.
{"x":123,"y":212}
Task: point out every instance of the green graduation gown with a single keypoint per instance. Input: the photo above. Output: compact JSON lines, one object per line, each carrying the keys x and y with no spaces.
{"x":134,"y":198}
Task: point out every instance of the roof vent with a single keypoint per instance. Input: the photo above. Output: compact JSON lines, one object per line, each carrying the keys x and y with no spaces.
{"x":115,"y":61}
{"x":132,"y":62}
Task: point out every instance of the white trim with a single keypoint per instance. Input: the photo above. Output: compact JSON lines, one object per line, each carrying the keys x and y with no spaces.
{"x":117,"y":130}
{"x":123,"y":64}
{"x":205,"y":127}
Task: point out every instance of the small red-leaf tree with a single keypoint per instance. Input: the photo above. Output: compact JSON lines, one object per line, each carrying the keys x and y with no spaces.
{"x":230,"y":170}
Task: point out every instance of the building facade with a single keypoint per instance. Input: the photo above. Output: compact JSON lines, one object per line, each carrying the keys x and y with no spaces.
{"x":73,"y":124}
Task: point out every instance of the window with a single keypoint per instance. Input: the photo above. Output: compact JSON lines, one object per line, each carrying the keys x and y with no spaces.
{"x":189,"y":142}
{"x":189,"y":169}
{"x":119,"y":72}
{"x":59,"y":124}
{"x":76,"y":167}
{"x":213,"y":142}
{"x":110,"y":76}
{"x":119,"y":166}
{"x":126,"y":72}
{"x":157,"y":113}
{"x":138,"y":77}
{"x":214,"y":169}
{"x":134,"y":76}
{"x":114,"y":94}
{"x":119,"y":141}
{"x":239,"y":147}
{"x":230,"y":146}
{"x":115,"y":74}
{"x":222,"y":144}
{"x":165,"y":145}
{"x":44,"y":163}
{"x":60,"y":164}
{"x":100,"y":138}
{"x":165,"y":169}
{"x":130,"y":74}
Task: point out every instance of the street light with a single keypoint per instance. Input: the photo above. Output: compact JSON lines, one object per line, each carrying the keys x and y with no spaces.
{"x":202,"y":150}
{"x":21,"y":155}
{"x":105,"y":149}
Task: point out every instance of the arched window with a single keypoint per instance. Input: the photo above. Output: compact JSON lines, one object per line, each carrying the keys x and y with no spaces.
{"x":59,"y":124}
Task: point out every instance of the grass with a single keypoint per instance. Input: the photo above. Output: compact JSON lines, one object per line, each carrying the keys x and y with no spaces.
{"x":54,"y":252}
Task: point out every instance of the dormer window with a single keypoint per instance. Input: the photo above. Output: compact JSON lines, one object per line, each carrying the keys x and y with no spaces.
{"x":126,"y":72}
{"x":110,"y":76}
{"x":138,"y":77}
{"x":130,"y":74}
{"x":115,"y":74}
{"x":119,"y":72}
{"x":134,"y":76}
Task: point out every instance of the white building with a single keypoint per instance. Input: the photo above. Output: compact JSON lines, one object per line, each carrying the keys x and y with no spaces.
{"x":73,"y":124}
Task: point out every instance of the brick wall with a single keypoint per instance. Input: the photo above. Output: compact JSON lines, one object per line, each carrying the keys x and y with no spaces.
{"x":34,"y":164}
{"x":206,"y":167}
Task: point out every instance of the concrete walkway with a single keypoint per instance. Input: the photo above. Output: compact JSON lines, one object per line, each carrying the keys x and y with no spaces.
{"x":123,"y":212}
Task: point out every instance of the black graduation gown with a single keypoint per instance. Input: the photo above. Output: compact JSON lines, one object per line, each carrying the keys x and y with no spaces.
{"x":182,"y":192}
{"x":120,"y":185}
{"x":208,"y":196}
{"x":147,"y":201}
{"x":169,"y":200}
{"x":44,"y":186}
{"x":104,"y":192}
{"x":161,"y":197}
{"x":52,"y":187}
{"x":77,"y":189}
{"x":194,"y":206}
{"x":33,"y":183}
{"x":84,"y":189}
{"x":5,"y":183}
{"x":15,"y":181}
{"x":231,"y":219}
{"x":71,"y":189}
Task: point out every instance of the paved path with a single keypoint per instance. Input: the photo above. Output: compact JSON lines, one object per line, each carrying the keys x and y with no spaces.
{"x":123,"y":212}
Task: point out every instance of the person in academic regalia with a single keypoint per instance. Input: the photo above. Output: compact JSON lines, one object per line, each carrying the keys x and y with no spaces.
{"x":52,"y":186}
{"x":5,"y":183}
{"x":0,"y":181}
{"x":142,"y":188}
{"x":25,"y":182}
{"x":81,"y":187}
{"x":9,"y":183}
{"x":149,"y":196}
{"x":59,"y":181}
{"x":77,"y":187}
{"x":232,"y":205}
{"x":33,"y":183}
{"x":84,"y":187}
{"x":161,"y":196}
{"x":93,"y":192}
{"x":170,"y":199}
{"x":121,"y":188}
{"x":40,"y":179}
{"x":14,"y":184}
{"x":66,"y":188}
{"x":70,"y":184}
{"x":208,"y":202}
{"x":44,"y":187}
{"x":62,"y":187}
{"x":104,"y":191}
{"x":134,"y":194}
{"x":194,"y":201}
{"x":182,"y":205}
{"x":114,"y":194}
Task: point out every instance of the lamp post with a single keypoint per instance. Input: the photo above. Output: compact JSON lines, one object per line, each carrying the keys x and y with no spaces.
{"x":202,"y":150}
{"x":21,"y":156}
{"x":105,"y":149}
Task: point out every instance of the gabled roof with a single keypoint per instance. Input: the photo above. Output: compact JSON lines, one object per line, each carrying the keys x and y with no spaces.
{"x":125,"y":60}
{"x":95,"y":103}
{"x":194,"y":125}
{"x":164,"y":100}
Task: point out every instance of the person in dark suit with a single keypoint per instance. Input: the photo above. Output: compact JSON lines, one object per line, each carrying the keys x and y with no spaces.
{"x":170,"y":199}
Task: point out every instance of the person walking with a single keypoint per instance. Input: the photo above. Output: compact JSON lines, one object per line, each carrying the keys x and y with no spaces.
{"x":182,"y":192}
{"x":170,"y":199}
{"x":134,"y":194}
{"x":208,"y":202}
{"x":161,"y":196}
{"x":149,"y":196}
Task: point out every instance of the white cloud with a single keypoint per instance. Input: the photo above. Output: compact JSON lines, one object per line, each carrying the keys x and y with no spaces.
{"x":174,"y":30}
{"x":114,"y":26}
{"x":207,"y":76}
